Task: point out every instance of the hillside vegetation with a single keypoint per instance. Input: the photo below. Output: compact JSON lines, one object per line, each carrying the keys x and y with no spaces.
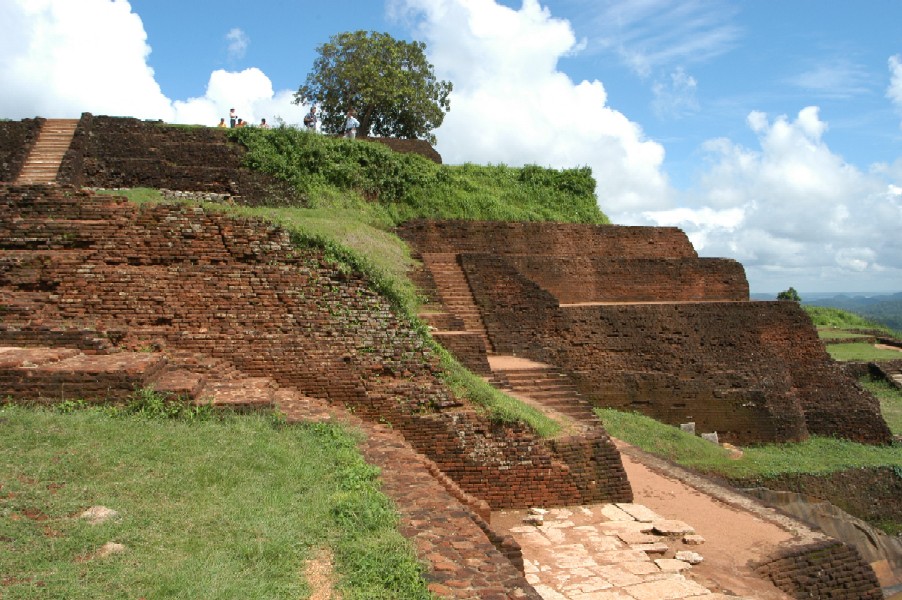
{"x":886,"y":309}
{"x":336,"y":173}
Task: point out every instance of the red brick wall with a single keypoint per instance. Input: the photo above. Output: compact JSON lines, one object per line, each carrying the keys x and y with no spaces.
{"x":752,"y":371}
{"x":828,"y":569}
{"x":553,"y":239}
{"x":16,"y":141}
{"x":575,"y":279}
{"x":180,"y":277}
{"x":114,"y":152}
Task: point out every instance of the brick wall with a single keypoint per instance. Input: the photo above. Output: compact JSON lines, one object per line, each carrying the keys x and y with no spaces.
{"x":827,"y":569}
{"x":554,"y":239}
{"x":16,"y":141}
{"x":114,"y":152}
{"x":575,"y":279}
{"x":182,"y":278}
{"x":752,"y":371}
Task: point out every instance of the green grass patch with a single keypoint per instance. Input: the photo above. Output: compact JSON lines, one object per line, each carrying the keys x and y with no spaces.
{"x":826,"y":333}
{"x":400,"y":187}
{"x":890,"y":401}
{"x":814,"y":456}
{"x":208,"y":508}
{"x":836,"y":318}
{"x":861,"y":352}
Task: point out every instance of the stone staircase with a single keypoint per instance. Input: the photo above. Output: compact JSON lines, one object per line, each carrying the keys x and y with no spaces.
{"x":548,"y":387}
{"x":455,"y":294}
{"x":43,"y":162}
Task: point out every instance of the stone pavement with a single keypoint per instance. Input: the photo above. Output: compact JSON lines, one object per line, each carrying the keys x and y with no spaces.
{"x":608,"y":552}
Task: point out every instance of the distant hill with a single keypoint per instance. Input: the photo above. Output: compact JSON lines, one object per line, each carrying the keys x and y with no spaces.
{"x":884,"y":309}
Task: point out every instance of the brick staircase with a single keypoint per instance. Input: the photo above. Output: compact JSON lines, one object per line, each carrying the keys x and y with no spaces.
{"x":548,"y":387}
{"x":455,"y":294}
{"x":44,"y":160}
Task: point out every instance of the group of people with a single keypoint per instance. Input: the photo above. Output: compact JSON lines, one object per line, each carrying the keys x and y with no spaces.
{"x":235,"y":121}
{"x":311,"y":122}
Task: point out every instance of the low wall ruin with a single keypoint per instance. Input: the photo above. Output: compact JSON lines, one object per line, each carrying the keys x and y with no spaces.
{"x":236,"y":289}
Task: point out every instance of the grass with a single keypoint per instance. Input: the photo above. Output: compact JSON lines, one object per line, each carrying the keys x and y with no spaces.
{"x":836,"y":318}
{"x":814,"y":456}
{"x":838,"y":334}
{"x":400,"y":187}
{"x":861,"y":352}
{"x":890,"y":401}
{"x":208,"y":508}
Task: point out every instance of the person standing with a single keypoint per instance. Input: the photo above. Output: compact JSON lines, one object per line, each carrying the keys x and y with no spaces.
{"x":351,"y":125}
{"x":310,"y":119}
{"x":233,"y":117}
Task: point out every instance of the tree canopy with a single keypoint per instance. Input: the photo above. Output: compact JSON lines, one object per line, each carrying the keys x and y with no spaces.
{"x":791,"y":294}
{"x":388,"y":82}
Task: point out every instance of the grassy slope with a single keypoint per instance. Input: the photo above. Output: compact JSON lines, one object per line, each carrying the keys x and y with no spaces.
{"x":208,"y":508}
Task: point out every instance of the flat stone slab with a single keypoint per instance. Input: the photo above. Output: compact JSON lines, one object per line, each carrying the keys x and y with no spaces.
{"x":640,"y":513}
{"x":672,"y":527}
{"x":674,"y":588}
{"x":614,"y":513}
{"x":672,"y":565}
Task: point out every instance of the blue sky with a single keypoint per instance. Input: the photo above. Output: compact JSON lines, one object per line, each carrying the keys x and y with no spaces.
{"x":771,"y":132}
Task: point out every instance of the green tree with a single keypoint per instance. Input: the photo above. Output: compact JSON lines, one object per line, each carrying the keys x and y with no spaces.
{"x":791,"y":294}
{"x":388,"y":82}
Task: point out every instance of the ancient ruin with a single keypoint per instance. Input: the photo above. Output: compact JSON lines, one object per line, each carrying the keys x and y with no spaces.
{"x":100,"y":297}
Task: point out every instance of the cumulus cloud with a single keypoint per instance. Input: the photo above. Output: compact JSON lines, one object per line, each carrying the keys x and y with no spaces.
{"x":794,"y":212}
{"x":511,"y":104}
{"x":60,"y":58}
{"x":65,"y":57}
{"x":238,"y":43}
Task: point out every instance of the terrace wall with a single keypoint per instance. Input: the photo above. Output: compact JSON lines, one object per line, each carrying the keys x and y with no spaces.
{"x":659,"y":331}
{"x":550,"y":239}
{"x":183,"y":278}
{"x":16,"y":140}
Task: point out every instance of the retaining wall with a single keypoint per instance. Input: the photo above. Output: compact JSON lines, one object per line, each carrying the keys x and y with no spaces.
{"x":16,"y":140}
{"x":183,"y":278}
{"x":701,"y":352}
{"x":827,"y":569}
{"x":551,"y":239}
{"x":116,"y":152}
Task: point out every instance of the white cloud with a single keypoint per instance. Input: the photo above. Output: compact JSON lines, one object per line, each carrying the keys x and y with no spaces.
{"x":651,"y":34}
{"x":511,"y":104}
{"x":249,"y":92}
{"x":67,"y":57}
{"x":837,"y":77}
{"x":794,"y":212}
{"x":676,"y":98}
{"x":238,"y":43}
{"x":894,"y":91}
{"x":59,"y":58}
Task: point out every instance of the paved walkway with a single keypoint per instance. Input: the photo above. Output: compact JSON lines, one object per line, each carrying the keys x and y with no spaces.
{"x":644,"y":551}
